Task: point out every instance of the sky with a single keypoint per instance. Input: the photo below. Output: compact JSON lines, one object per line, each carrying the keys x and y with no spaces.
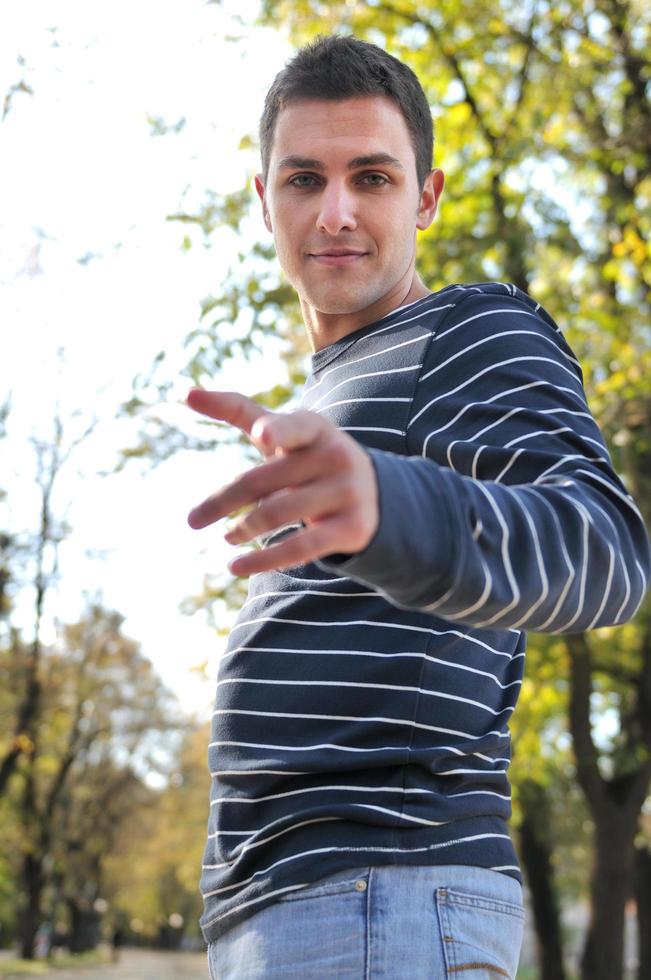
{"x":94,"y":283}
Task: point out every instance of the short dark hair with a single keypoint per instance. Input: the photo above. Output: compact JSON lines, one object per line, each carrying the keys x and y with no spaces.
{"x":337,"y":66}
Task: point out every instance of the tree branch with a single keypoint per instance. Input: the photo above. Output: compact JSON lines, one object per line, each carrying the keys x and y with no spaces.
{"x":523,"y":76}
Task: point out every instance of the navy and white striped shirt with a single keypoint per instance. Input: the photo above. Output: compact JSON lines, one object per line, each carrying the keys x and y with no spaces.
{"x":363,"y":701}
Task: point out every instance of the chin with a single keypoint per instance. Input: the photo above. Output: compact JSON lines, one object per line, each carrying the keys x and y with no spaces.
{"x":339,"y":302}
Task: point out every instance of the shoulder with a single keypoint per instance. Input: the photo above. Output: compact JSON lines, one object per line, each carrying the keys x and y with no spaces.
{"x":494,"y":327}
{"x":492,"y":296}
{"x":490,"y":311}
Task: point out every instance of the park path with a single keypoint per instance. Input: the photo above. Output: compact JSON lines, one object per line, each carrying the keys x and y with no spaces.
{"x":141,"y":964}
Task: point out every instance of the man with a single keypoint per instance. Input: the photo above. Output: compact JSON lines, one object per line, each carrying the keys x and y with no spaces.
{"x":442,"y":489}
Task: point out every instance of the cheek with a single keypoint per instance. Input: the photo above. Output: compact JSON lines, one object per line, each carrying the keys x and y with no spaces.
{"x":288,"y":244}
{"x":286,"y":229}
{"x":285,"y":247}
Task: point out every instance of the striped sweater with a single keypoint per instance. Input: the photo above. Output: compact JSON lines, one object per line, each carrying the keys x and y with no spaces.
{"x":363,"y":700}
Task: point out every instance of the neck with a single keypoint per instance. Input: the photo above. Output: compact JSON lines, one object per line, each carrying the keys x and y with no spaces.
{"x":325,"y":328}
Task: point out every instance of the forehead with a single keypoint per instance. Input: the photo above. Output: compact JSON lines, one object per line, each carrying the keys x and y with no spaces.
{"x":328,"y":130}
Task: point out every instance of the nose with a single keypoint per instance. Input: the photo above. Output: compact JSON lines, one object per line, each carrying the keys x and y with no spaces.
{"x":337,"y":211}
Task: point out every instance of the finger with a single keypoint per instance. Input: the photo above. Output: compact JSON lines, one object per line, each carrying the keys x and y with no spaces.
{"x":289,"y":431}
{"x":314,"y":501}
{"x":227,"y":406}
{"x":277,"y":473}
{"x":298,"y":548}
{"x":269,"y":431}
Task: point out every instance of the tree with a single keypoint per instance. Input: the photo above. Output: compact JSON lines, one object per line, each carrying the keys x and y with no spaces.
{"x":102,"y":708}
{"x":546,"y":814}
{"x":152,"y":870}
{"x":103,"y":798}
{"x":84,"y":720}
{"x":41,"y":551}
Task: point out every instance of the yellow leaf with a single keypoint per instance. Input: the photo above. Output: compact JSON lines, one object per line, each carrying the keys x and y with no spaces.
{"x":458,"y":115}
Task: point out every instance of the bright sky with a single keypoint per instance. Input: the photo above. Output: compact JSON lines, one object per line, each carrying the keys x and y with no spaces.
{"x":83,"y":178}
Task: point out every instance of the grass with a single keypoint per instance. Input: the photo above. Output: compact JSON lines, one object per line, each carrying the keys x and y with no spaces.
{"x":39,"y":968}
{"x":531,"y":973}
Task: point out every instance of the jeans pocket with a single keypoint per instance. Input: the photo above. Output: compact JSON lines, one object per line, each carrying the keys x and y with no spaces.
{"x":481,"y":935}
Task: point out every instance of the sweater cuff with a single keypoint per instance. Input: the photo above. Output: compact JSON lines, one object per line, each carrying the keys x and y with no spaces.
{"x":411,"y":551}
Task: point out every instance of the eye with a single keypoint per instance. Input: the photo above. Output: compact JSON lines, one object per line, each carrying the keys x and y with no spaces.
{"x":375,"y":180}
{"x":302,"y":180}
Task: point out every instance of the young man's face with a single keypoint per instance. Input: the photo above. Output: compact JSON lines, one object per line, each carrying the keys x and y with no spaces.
{"x":343,"y":203}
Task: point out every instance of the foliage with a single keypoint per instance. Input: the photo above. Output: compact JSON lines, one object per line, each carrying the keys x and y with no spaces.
{"x":542,"y":754}
{"x":153,"y":870}
{"x":84,"y":723}
{"x":103,"y":720}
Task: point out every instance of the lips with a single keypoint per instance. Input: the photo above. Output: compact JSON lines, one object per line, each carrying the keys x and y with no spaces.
{"x":339,"y":251}
{"x":337,"y":256}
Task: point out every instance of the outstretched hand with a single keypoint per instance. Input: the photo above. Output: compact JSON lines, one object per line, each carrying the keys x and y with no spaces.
{"x":312,"y":472}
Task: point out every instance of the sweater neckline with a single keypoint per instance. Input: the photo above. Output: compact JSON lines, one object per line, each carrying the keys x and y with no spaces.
{"x":326,"y":355}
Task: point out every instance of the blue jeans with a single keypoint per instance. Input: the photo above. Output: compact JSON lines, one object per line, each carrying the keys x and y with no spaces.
{"x":382,"y":923}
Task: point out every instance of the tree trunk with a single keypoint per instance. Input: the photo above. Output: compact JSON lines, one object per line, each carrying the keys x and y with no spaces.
{"x":603,"y":956}
{"x":33,"y":881}
{"x":643,"y":899}
{"x":615,"y":806}
{"x":85,"y":928}
{"x":536,"y":858}
{"x":33,"y":872}
{"x":169,"y":937}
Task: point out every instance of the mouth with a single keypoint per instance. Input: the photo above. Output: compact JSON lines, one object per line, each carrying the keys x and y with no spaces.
{"x":337,"y":256}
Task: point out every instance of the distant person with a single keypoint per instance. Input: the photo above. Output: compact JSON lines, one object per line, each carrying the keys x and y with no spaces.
{"x":117,"y":941}
{"x":43,"y":940}
{"x":442,"y":489}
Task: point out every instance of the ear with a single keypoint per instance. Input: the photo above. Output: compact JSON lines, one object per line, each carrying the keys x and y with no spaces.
{"x":259,"y":186}
{"x":429,"y":198}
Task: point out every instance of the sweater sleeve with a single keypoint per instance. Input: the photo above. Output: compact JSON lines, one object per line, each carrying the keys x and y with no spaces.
{"x":506,"y":511}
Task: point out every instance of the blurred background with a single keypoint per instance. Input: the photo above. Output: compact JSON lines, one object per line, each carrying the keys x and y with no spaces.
{"x":133,"y":264}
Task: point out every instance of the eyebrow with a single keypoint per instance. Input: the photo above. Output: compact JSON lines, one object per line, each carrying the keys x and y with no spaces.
{"x":309,"y":163}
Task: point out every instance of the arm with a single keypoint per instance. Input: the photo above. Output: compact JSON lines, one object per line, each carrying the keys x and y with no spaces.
{"x":507,"y":512}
